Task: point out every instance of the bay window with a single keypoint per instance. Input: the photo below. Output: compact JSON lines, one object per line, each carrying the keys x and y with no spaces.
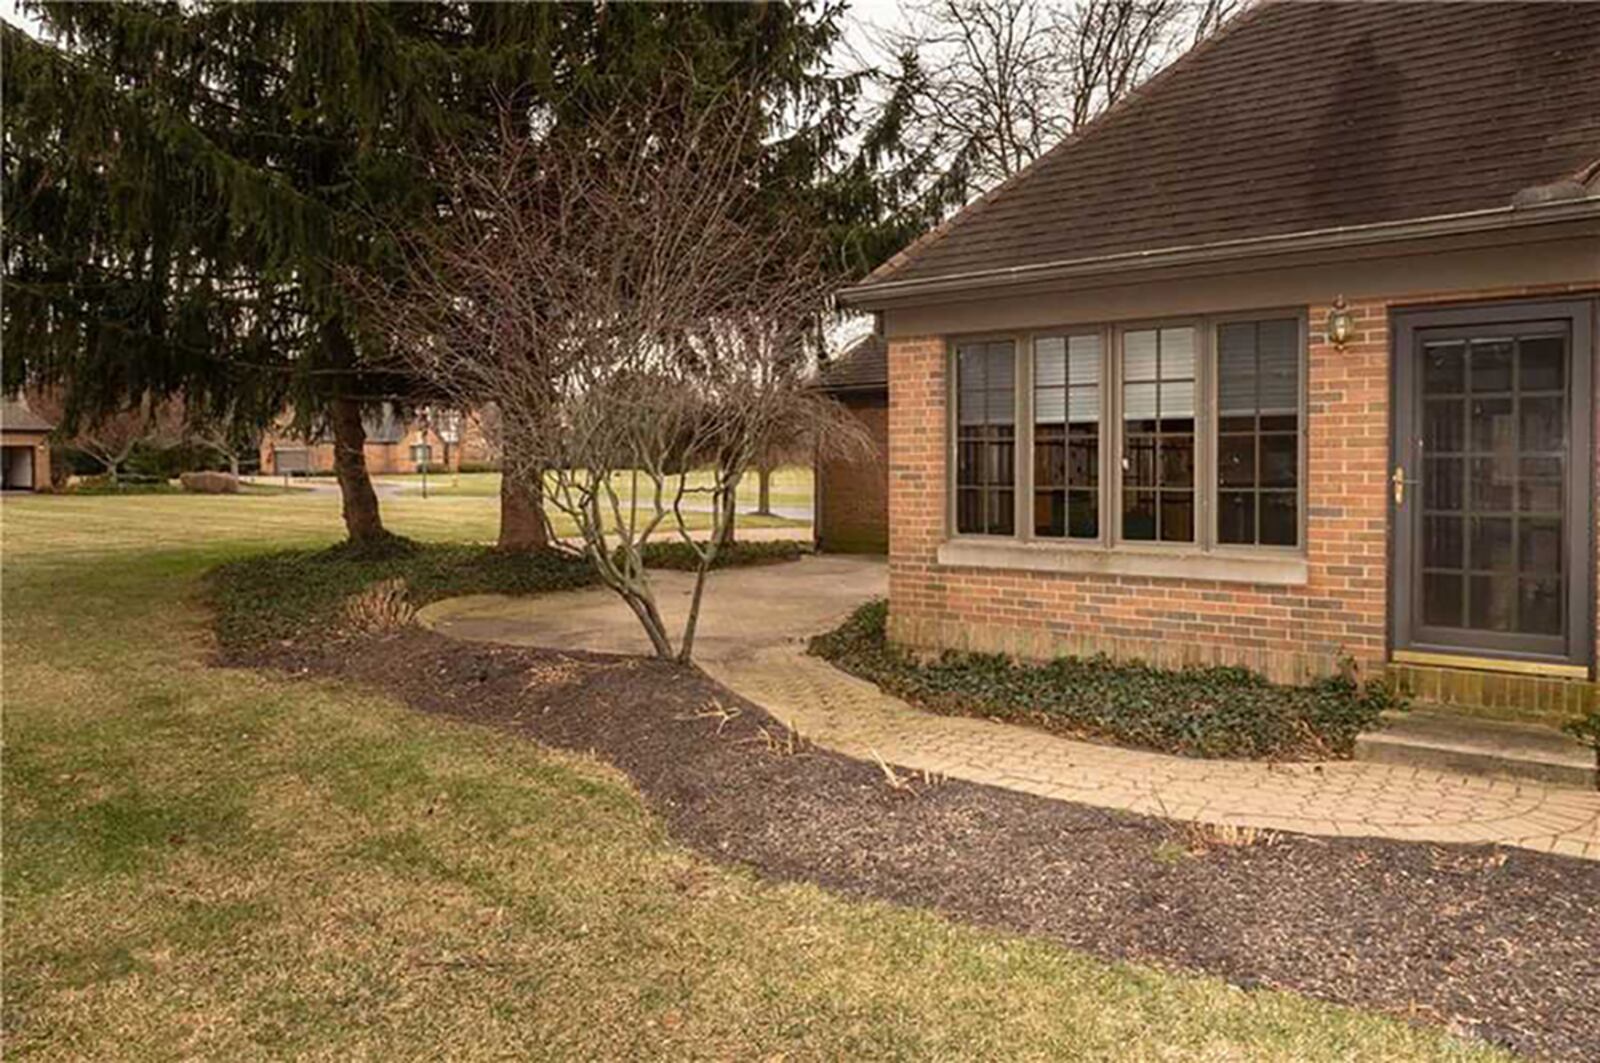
{"x":1204,"y":451}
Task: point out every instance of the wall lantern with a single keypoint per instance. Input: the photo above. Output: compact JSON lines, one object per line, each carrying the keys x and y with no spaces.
{"x":1340,"y":325}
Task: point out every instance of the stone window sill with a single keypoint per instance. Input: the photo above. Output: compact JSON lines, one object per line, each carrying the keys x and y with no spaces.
{"x":1272,"y":570}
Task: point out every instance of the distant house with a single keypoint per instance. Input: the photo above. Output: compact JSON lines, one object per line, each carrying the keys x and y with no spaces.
{"x":1289,"y":358}
{"x":851,"y":496}
{"x":24,"y":447}
{"x":392,"y":445}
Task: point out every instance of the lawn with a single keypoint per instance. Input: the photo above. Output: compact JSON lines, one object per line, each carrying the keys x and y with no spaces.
{"x":791,"y":486}
{"x":204,"y":862}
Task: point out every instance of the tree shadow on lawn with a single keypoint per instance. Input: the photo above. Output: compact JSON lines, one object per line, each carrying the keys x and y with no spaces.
{"x":1494,"y":942}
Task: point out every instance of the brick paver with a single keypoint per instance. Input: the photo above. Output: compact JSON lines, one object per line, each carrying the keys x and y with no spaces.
{"x":841,"y":712}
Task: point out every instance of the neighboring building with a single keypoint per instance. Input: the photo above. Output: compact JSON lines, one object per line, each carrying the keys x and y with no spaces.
{"x":1288,"y":358}
{"x":391,"y":445}
{"x":24,"y":447}
{"x":851,"y":497}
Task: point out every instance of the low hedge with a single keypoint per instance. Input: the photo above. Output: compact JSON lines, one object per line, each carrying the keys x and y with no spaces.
{"x":296,"y":594}
{"x":1197,"y":712}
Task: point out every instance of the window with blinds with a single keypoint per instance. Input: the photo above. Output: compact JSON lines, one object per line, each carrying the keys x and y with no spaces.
{"x":1158,"y":435}
{"x":1066,"y":437}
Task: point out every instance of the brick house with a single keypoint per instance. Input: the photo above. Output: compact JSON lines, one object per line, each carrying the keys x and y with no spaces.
{"x":391,"y":445}
{"x":24,"y":447}
{"x":1287,"y":359}
{"x":851,"y":495}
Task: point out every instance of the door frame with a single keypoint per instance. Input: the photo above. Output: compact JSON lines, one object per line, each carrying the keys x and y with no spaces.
{"x":1579,"y":315}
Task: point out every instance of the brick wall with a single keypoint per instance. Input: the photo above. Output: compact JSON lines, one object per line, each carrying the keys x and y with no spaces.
{"x":1288,"y":633}
{"x":853,"y":495}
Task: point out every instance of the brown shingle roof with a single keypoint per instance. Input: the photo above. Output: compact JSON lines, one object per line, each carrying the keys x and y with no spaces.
{"x":16,"y":417}
{"x":863,"y":366}
{"x":1301,"y":116}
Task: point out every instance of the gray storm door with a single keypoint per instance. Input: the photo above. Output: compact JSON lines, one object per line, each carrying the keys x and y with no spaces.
{"x":1491,"y":482}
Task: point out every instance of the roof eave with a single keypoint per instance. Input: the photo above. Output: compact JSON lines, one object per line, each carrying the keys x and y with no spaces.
{"x":885,"y":293}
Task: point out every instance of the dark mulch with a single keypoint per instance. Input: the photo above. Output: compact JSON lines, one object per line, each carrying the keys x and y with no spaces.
{"x":1500,"y":943}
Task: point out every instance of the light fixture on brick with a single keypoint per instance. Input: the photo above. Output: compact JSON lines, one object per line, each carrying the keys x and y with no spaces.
{"x":1339,"y":325}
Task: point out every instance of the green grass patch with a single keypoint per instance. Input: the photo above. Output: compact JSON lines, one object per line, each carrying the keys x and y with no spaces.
{"x":1197,"y":712}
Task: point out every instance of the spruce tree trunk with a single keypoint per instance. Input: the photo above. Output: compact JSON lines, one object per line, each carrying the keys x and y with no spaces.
{"x":362,"y":522}
{"x":522,"y":523}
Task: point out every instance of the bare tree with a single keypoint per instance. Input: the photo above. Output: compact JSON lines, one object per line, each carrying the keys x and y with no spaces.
{"x":989,"y":85}
{"x":225,"y":434}
{"x":112,"y":438}
{"x":641,"y":322}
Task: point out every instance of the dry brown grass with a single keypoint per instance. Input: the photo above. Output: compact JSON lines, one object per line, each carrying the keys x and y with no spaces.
{"x":210,"y":863}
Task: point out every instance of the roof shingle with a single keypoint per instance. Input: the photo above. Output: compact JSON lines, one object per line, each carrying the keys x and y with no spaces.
{"x":1300,"y":116}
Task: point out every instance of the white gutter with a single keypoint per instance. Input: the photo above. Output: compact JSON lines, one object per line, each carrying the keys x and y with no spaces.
{"x":867,"y":296}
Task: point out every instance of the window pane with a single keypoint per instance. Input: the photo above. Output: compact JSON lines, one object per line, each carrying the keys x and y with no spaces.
{"x":1139,"y":455}
{"x":1258,"y":440}
{"x":1539,"y":485}
{"x":1492,"y":602}
{"x":1084,"y":514}
{"x":969,"y":510}
{"x":1491,"y":544}
{"x":1177,"y":516}
{"x":1002,"y":512}
{"x":1139,"y":515}
{"x":1049,"y":362}
{"x":1442,"y":542}
{"x":1280,"y":518}
{"x":1083,"y":461}
{"x":1177,"y":353}
{"x":1442,"y":598}
{"x":1236,"y":461}
{"x":1139,"y":355}
{"x":1279,"y":461}
{"x":1177,"y":461}
{"x":1444,"y":368}
{"x":1444,"y":426}
{"x":1049,"y":513}
{"x":1539,"y":610}
{"x":1543,"y":364}
{"x":1083,"y":405}
{"x":1049,"y":405}
{"x":1490,"y":363}
{"x":1236,"y":517}
{"x":1139,"y":402}
{"x":1084,"y":356}
{"x":1539,"y":546}
{"x":1177,"y":399}
{"x":986,"y":406}
{"x":1050,"y":462}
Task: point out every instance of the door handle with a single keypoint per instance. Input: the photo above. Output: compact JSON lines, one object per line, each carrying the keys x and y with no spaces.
{"x":1399,"y":480}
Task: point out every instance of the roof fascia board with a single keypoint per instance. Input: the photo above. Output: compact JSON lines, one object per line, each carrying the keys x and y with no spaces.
{"x":1495,"y":219}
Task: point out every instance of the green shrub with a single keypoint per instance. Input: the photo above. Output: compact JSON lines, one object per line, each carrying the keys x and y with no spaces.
{"x":1201,"y":712}
{"x":680,"y":556}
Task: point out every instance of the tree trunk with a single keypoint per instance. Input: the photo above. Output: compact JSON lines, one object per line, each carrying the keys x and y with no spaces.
{"x":764,"y":498}
{"x":233,"y":465}
{"x":362,"y":522}
{"x":522,"y":523}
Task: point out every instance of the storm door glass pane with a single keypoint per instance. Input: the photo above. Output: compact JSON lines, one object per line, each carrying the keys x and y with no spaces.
{"x":1494,"y":439}
{"x":986,"y":415}
{"x":1258,"y":433}
{"x":1066,"y":437}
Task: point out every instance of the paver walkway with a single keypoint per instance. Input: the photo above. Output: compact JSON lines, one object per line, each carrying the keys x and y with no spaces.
{"x":754,"y":646}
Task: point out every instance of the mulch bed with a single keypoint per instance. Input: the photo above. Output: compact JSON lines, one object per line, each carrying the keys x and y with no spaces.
{"x":1499,"y":943}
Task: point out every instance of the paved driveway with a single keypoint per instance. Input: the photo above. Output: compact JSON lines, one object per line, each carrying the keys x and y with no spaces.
{"x":744,"y":609}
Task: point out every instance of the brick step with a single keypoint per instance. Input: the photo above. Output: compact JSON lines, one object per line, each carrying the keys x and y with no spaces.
{"x":1447,"y":741}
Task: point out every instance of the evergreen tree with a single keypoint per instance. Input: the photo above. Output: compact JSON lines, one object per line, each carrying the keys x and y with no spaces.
{"x":186,"y":183}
